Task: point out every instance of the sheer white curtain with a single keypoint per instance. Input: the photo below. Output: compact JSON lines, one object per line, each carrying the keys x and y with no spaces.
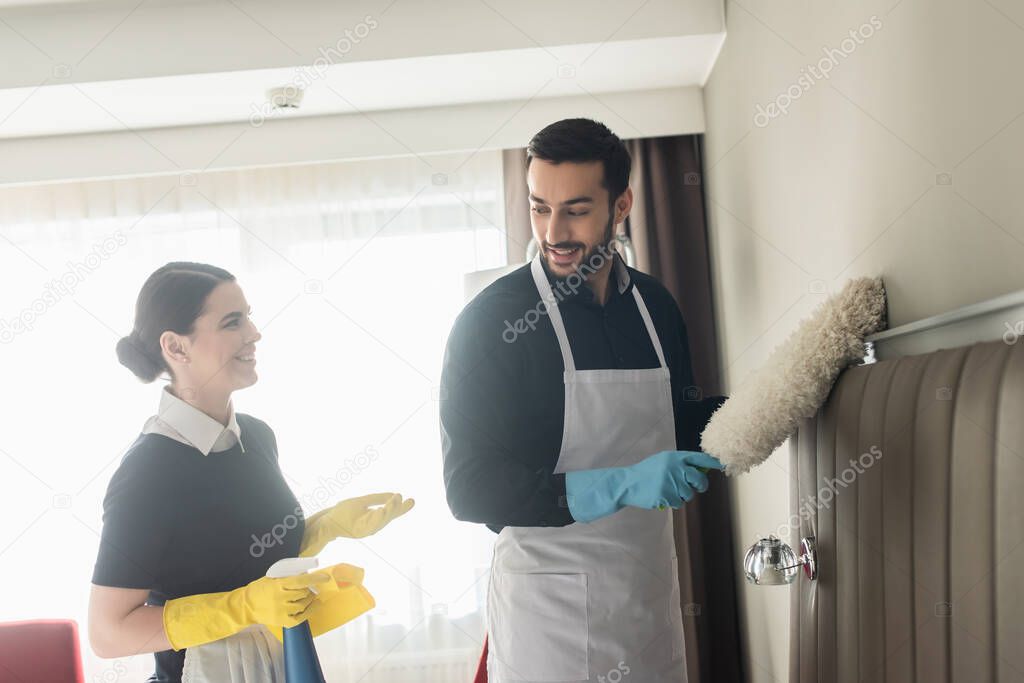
{"x":354,"y":271}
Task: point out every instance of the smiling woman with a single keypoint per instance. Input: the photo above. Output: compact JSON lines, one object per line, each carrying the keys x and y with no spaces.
{"x":173,"y":575}
{"x":354,"y":271}
{"x":168,"y":309}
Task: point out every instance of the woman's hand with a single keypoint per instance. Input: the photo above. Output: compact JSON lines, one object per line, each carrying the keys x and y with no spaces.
{"x":352,"y":518}
{"x":338,"y":601}
{"x":203,"y":618}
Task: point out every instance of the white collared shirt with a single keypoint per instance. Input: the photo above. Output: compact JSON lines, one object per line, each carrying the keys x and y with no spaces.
{"x":185,"y":423}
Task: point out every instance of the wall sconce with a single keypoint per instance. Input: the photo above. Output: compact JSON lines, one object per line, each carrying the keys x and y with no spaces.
{"x":770,"y":562}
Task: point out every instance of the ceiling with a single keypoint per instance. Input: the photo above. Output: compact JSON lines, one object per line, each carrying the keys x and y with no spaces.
{"x":359,"y":86}
{"x":94,"y":66}
{"x":113,"y":88}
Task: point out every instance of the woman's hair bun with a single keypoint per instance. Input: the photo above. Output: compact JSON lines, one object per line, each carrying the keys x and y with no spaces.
{"x":131,"y":355}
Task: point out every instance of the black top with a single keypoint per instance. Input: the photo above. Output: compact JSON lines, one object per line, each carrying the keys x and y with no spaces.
{"x":178,"y":522}
{"x":502,"y":391}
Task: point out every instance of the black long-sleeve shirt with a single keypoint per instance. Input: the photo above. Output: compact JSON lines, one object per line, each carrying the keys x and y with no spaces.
{"x":502,"y":396}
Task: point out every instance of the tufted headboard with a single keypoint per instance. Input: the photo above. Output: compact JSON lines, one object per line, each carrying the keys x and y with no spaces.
{"x":911,"y":478}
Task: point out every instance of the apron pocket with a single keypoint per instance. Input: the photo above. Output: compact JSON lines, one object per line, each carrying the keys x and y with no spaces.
{"x":540,"y":627}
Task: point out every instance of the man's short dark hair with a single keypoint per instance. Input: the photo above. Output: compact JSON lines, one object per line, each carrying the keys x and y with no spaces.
{"x":580,"y":141}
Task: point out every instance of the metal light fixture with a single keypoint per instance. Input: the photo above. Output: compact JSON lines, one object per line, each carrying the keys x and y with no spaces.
{"x":285,"y":97}
{"x":770,"y":562}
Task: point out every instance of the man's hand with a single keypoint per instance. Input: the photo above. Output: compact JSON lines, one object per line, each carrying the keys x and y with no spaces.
{"x":665,"y":479}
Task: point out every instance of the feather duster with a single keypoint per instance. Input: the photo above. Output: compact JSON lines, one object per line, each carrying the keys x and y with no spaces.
{"x":797,"y":378}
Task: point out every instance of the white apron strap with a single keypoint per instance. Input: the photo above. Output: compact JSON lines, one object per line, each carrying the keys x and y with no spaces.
{"x":540,"y":278}
{"x":646,"y":315}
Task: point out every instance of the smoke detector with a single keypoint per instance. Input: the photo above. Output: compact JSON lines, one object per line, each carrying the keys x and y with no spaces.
{"x":285,"y":97}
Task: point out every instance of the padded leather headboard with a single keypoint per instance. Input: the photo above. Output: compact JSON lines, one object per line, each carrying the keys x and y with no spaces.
{"x":921,"y":540}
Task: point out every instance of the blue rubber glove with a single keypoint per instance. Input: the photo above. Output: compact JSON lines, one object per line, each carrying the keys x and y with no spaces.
{"x":665,"y":479}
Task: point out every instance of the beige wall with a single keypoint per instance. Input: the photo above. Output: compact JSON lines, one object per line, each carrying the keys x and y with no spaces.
{"x":906,"y":161}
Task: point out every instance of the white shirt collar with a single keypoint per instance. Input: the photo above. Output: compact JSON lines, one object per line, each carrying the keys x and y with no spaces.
{"x":196,"y":427}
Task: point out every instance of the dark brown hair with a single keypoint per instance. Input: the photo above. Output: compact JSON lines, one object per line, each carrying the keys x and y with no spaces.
{"x":580,"y":141}
{"x":171,"y":299}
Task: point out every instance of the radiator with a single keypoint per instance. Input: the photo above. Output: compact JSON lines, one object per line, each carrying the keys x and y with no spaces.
{"x":911,"y":478}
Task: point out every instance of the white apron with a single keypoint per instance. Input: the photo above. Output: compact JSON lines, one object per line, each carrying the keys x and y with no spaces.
{"x":598,"y":601}
{"x":253,"y":655}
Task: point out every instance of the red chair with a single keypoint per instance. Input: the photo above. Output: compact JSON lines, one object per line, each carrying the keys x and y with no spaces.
{"x":481,"y":668}
{"x":40,"y":651}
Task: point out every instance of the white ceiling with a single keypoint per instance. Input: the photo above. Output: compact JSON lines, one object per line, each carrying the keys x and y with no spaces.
{"x":359,"y":86}
{"x":97,"y":88}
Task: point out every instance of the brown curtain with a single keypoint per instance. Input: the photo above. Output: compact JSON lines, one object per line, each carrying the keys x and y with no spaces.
{"x":668,"y":228}
{"x":517,"y":204}
{"x":669,"y":232}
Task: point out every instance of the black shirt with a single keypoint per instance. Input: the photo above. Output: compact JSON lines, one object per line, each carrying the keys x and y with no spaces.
{"x":502,"y":392}
{"x":178,"y":522}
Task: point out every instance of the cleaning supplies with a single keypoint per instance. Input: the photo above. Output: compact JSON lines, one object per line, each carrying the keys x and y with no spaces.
{"x":795,"y":381}
{"x":203,"y":618}
{"x":301,"y":664}
{"x":338,"y":601}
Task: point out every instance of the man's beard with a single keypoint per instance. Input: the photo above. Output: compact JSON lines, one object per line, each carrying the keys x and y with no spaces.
{"x":593,"y":259}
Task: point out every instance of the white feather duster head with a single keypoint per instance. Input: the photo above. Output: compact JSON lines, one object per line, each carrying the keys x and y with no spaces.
{"x":797,"y":378}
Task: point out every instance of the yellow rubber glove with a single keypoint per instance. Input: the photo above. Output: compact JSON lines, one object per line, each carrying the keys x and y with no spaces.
{"x":352,"y":518}
{"x":338,"y":602}
{"x":206,"y":617}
